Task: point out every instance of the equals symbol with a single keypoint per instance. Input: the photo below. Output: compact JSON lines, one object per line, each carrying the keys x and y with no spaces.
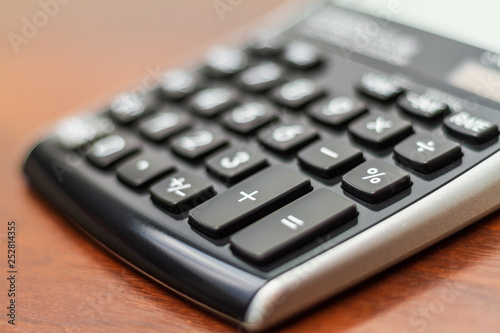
{"x":292,"y":222}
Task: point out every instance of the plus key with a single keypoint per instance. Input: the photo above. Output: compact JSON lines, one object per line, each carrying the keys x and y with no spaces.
{"x":248,"y":201}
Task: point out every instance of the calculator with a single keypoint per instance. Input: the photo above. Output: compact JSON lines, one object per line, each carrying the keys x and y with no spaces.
{"x":284,"y":169}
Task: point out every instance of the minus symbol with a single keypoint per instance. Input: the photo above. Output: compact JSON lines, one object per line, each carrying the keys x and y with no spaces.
{"x":11,"y":271}
{"x":329,"y":152}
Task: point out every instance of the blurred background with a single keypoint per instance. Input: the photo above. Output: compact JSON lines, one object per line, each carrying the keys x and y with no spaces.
{"x":59,"y":54}
{"x":56,"y":56}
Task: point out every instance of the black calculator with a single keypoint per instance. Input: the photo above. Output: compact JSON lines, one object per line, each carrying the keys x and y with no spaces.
{"x":289,"y":167}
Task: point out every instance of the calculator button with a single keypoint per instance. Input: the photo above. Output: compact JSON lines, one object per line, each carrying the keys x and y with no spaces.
{"x":223,"y":61}
{"x":293,"y":225}
{"x":297,"y":93}
{"x":375,"y":181}
{"x":266,"y":44}
{"x":164,"y":124}
{"x":181,"y":192}
{"x":144,"y":169}
{"x":287,"y":138}
{"x":260,"y":78}
{"x":235,"y":164}
{"x":380,"y":130}
{"x":177,"y":84}
{"x":380,"y":86}
{"x":210,"y":102}
{"x":249,"y":117}
{"x":301,"y":55}
{"x":329,"y":158}
{"x":197,"y":144}
{"x":471,"y":128}
{"x":422,"y":105}
{"x":337,"y":111}
{"x":128,"y":107}
{"x":248,"y":201}
{"x":110,"y":149}
{"x":427,"y":153}
{"x":74,"y":131}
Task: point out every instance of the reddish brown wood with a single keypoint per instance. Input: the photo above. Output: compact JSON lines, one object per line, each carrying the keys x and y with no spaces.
{"x":66,"y":283}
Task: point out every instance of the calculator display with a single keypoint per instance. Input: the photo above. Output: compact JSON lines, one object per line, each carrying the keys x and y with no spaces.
{"x":471,"y":22}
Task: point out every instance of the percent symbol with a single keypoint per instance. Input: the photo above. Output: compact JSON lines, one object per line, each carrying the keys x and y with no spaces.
{"x":373,"y":175}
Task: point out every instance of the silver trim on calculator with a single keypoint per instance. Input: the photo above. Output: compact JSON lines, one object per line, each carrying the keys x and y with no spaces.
{"x":417,"y":227}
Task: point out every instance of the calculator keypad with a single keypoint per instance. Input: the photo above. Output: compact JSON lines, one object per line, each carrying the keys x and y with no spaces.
{"x":248,"y":135}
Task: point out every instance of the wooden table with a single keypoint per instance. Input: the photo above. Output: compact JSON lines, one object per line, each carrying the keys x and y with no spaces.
{"x":67,"y":283}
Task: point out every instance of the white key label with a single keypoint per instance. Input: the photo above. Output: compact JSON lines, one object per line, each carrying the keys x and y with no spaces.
{"x":248,"y":196}
{"x":287,"y":133}
{"x":176,"y":185}
{"x":238,"y":159}
{"x":108,"y":146}
{"x":292,"y":222}
{"x":379,"y":125}
{"x":248,"y":113}
{"x":198,"y":139}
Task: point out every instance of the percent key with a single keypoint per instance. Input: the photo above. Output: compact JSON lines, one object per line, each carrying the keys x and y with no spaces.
{"x":375,"y":181}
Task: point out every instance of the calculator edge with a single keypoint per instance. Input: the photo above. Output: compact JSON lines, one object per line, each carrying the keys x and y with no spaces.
{"x":383,"y":245}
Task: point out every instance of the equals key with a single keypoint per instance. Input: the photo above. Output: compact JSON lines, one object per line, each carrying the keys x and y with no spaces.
{"x":293,"y":225}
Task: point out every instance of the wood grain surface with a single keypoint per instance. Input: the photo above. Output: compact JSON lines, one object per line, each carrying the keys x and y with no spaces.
{"x":67,"y":283}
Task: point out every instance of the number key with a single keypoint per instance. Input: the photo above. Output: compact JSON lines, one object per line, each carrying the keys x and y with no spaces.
{"x":248,"y":117}
{"x":297,"y":93}
{"x":197,"y":144}
{"x":235,"y":164}
{"x":288,"y":138}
